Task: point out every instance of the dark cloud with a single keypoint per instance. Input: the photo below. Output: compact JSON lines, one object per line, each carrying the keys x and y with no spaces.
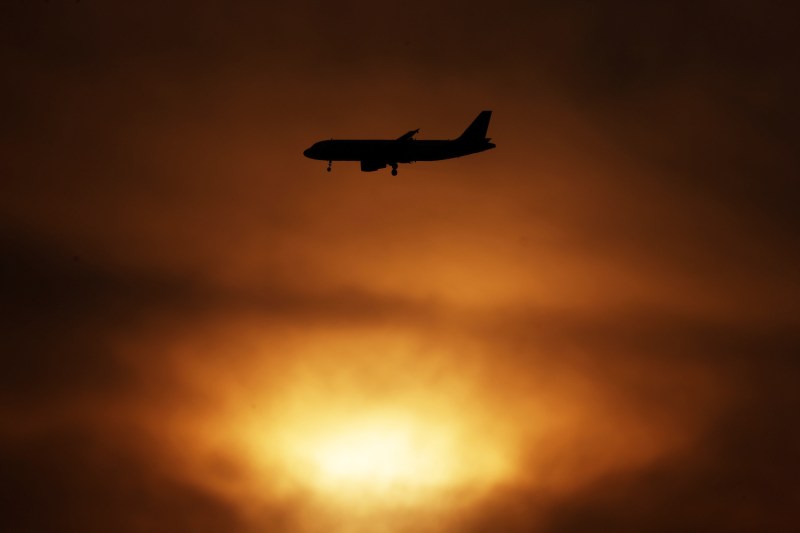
{"x":724,"y":484}
{"x":65,"y":311}
{"x":738,"y":474}
{"x":74,"y":479}
{"x":704,"y":93}
{"x":58,"y":314}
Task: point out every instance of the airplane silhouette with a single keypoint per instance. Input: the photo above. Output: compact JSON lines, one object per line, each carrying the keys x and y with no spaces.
{"x":377,"y":154}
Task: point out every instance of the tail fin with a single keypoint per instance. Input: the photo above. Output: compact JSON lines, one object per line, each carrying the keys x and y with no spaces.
{"x":477,"y":130}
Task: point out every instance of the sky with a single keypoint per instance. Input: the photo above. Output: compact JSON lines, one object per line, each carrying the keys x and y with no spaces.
{"x":593,"y":327}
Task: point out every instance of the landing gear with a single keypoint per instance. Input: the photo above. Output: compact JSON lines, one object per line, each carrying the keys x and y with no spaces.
{"x":329,"y":165}
{"x":394,"y":168}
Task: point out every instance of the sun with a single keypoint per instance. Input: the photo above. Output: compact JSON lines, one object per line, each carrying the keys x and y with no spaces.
{"x":379,"y":455}
{"x":385,"y":457}
{"x":351,"y":440}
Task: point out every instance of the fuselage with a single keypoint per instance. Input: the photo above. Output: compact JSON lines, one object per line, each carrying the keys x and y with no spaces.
{"x":377,"y":154}
{"x":394,"y":151}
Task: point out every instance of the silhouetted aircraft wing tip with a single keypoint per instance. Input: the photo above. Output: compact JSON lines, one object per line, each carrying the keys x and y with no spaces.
{"x":408,"y":135}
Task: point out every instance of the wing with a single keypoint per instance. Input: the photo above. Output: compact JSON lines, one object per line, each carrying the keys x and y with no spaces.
{"x":409,"y":135}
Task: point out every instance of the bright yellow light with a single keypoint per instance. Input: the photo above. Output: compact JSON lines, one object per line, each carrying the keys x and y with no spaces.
{"x":378,"y":455}
{"x":389,"y":458}
{"x":359,"y":442}
{"x":353,"y":442}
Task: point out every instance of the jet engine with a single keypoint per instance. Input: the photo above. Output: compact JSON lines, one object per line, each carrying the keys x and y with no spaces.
{"x":372,"y":166}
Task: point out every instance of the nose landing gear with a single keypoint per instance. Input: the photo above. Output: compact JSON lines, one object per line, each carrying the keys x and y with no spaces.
{"x":329,"y":165}
{"x":394,"y":168}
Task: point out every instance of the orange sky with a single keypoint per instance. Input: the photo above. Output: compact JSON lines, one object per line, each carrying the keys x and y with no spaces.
{"x":591,"y":328}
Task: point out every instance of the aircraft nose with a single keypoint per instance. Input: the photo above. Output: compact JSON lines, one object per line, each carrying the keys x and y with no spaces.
{"x":313,"y":152}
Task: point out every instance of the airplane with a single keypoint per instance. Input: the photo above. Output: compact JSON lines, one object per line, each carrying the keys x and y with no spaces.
{"x":377,"y":154}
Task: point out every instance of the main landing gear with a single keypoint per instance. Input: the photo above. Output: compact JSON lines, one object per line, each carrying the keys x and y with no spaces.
{"x":329,"y":165}
{"x":394,"y":168}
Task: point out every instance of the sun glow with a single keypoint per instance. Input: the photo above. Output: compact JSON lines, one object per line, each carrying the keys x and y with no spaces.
{"x":406,"y":440}
{"x":387,"y":457}
{"x":379,"y":455}
{"x":352,"y":439}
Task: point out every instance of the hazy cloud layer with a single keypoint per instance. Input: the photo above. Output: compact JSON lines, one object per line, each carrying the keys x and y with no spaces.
{"x":610,"y":297}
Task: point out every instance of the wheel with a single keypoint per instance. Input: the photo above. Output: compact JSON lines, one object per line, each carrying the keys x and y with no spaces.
{"x":328,"y":169}
{"x":394,"y":172}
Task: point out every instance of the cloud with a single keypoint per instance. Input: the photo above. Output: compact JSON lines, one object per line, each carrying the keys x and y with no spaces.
{"x":610,"y":298}
{"x":721,"y":481}
{"x":80,"y":479}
